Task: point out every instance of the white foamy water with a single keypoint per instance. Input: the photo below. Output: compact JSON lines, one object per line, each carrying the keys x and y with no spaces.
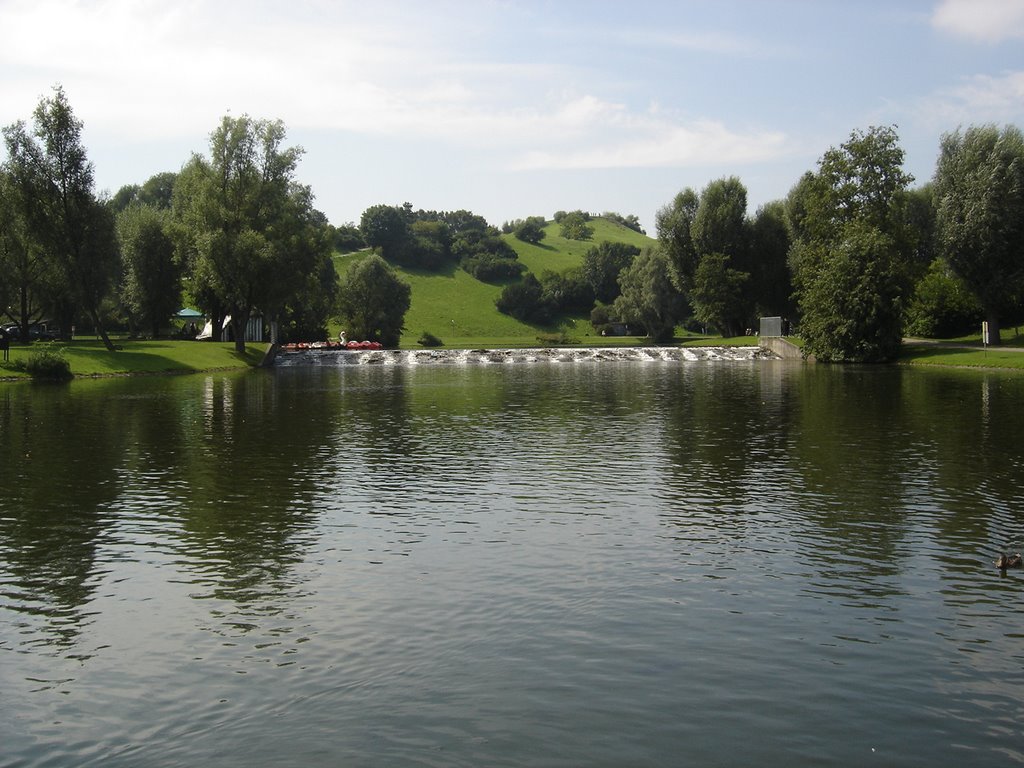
{"x":501,"y":356}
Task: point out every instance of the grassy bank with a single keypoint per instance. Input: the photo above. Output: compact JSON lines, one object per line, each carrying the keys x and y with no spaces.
{"x":960,"y":355}
{"x":90,"y":358}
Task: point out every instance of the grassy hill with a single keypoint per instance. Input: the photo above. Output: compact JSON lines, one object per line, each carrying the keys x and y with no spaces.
{"x":459,"y":309}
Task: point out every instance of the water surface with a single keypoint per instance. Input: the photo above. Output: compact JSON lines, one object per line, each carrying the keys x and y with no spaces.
{"x":599,"y":564}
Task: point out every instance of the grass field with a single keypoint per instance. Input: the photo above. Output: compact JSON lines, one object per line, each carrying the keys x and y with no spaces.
{"x":957,"y":354}
{"x":90,"y":358}
{"x":460,"y":311}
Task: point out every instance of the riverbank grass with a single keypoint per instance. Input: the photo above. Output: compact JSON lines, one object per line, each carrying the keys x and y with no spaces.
{"x":90,"y":358}
{"x":960,"y":357}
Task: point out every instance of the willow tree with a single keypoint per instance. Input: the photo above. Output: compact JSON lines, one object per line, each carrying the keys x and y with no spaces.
{"x":979,"y":192}
{"x":64,"y":219}
{"x":649,"y":297}
{"x":247,"y":230}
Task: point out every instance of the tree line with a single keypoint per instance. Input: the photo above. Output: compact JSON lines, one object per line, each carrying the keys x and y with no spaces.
{"x":852,"y":256}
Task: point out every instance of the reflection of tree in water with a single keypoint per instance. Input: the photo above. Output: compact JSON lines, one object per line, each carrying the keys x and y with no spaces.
{"x":59,"y":450}
{"x":725,"y":434}
{"x":251,"y":452}
{"x":850,"y":449}
{"x":969,"y":425}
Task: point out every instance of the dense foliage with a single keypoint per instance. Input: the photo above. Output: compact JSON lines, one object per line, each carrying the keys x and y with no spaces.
{"x":942,"y":306}
{"x":649,"y":298}
{"x":52,"y":192}
{"x":852,"y":249}
{"x":372,"y":301}
{"x":246,"y":228}
{"x":602,"y":266}
{"x":731,"y":268}
{"x":979,"y":190}
{"x":574,"y":226}
{"x":151,"y":271}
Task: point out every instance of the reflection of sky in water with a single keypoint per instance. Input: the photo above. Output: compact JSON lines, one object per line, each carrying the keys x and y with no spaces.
{"x":511,"y":565}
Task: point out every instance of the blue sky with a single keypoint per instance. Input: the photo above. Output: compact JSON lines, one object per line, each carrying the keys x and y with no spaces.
{"x":514,"y":109}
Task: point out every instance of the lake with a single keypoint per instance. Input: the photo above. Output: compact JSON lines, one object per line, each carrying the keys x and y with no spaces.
{"x":548,"y":564}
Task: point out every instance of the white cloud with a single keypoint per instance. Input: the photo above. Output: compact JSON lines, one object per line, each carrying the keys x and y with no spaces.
{"x":652,"y":142}
{"x":987,"y":21}
{"x":143,"y":70}
{"x":979,"y":99}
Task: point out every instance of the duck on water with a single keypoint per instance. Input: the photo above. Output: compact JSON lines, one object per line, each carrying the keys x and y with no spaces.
{"x":1005,"y":561}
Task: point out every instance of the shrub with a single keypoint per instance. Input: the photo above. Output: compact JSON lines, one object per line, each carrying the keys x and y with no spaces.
{"x":557,"y":339}
{"x":525,"y":301}
{"x":492,"y":269}
{"x":49,"y":364}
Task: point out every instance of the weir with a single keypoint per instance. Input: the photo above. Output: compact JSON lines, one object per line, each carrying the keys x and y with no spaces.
{"x":337,"y":357}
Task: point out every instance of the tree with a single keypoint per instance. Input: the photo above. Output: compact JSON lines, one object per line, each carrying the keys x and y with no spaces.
{"x":717,"y":294}
{"x":851,"y":309}
{"x":525,"y":301}
{"x":602,"y":266}
{"x":979,"y":188}
{"x":247,"y":229}
{"x":567,"y":291}
{"x":151,"y":284}
{"x":63,"y":216}
{"x":852,"y":248}
{"x":373,"y":301}
{"x":942,"y":305}
{"x":347,"y":238}
{"x":530,"y":229}
{"x":649,"y":296}
{"x":719,"y":224}
{"x":674,"y":223}
{"x":387,"y":227}
{"x":573,"y":226}
{"x":25,"y":275}
{"x":771,"y":283}
{"x":630,"y":222}
{"x":158,"y":192}
{"x":721,"y":236}
{"x":306,"y":314}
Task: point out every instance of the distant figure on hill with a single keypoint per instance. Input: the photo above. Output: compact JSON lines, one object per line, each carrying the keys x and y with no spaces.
{"x":5,"y":344}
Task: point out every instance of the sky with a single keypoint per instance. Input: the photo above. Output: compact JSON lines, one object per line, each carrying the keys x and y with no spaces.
{"x":517,"y":108}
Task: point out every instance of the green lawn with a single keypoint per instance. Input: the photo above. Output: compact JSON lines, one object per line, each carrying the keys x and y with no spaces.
{"x":558,"y":254}
{"x":90,"y":358}
{"x":948,"y":355}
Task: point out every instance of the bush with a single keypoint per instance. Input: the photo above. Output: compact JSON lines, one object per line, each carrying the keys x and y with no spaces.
{"x":942,"y":306}
{"x":48,"y":364}
{"x":525,"y":301}
{"x":492,"y":269}
{"x":557,"y":339}
{"x":429,"y":340}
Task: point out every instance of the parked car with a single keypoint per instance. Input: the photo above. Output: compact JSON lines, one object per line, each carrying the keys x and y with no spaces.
{"x":36,"y":331}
